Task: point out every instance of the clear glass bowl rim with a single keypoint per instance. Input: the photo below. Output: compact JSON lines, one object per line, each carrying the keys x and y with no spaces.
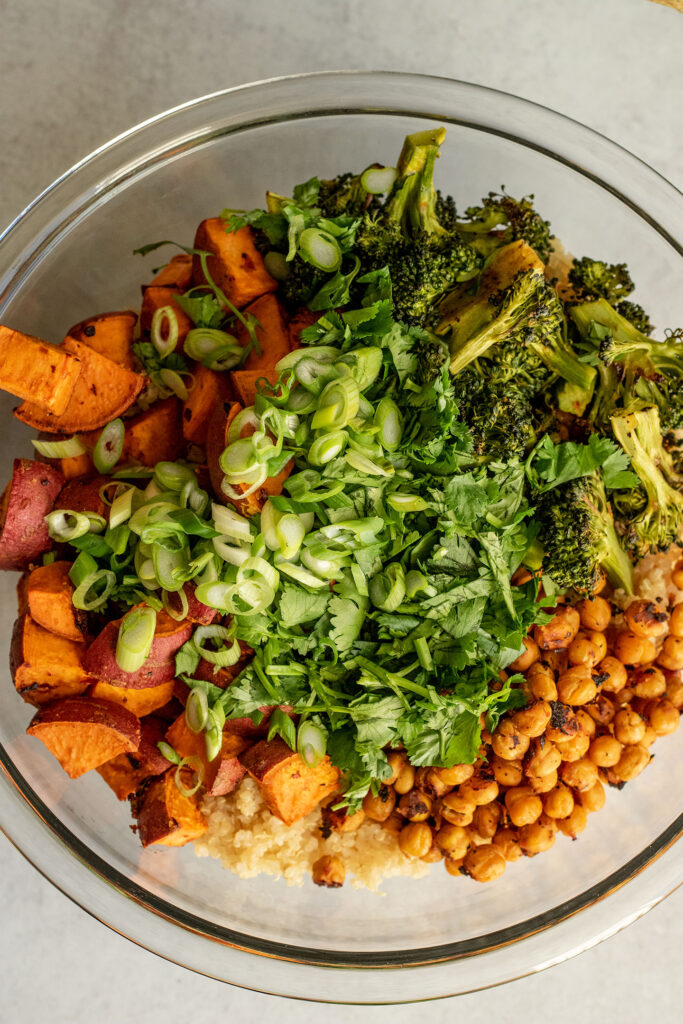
{"x":35,"y":830}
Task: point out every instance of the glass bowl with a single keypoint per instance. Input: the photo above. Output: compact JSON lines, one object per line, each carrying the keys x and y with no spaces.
{"x":70,"y":255}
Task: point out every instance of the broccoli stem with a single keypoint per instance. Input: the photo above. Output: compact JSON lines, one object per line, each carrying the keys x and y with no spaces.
{"x":613,"y":559}
{"x":412,"y":204}
{"x":564,"y":363}
{"x":634,"y":432}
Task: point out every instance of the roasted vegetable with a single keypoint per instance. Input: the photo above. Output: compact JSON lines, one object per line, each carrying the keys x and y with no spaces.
{"x":44,"y":665}
{"x":235,"y":264}
{"x":110,"y":334}
{"x":33,"y":370}
{"x":49,"y":593}
{"x":290,"y":789}
{"x":26,"y":501}
{"x":84,"y":732}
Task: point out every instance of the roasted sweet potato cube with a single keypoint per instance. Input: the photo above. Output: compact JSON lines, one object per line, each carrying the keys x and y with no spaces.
{"x":164,"y":815}
{"x":210,"y":389}
{"x":244,"y":383}
{"x":121,"y":776}
{"x":72,"y":467}
{"x":84,"y":732}
{"x":302,"y":319}
{"x":272,"y":334}
{"x":126,"y":772}
{"x":49,"y":593}
{"x":221,"y":775}
{"x":110,"y":334}
{"x":176,"y":274}
{"x":100,"y":657}
{"x":31,"y":369}
{"x":235,"y":264}
{"x":290,"y":789}
{"x":155,"y":298}
{"x":140,"y":702}
{"x":25,"y":502}
{"x":340,"y":820}
{"x":154,"y":435}
{"x":84,"y":496}
{"x":45,"y":666}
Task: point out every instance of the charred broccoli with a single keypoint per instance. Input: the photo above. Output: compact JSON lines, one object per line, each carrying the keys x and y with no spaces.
{"x":517,"y":217}
{"x":596,"y":279}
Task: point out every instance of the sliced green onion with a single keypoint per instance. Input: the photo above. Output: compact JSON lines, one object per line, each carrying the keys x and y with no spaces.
{"x":323,"y":354}
{"x":377,"y":179}
{"x":313,"y":374}
{"x":363,"y":364}
{"x":168,"y":598}
{"x":337,"y":405}
{"x":405,"y":502}
{"x":164,"y":341}
{"x":256,"y":480}
{"x":230,"y":553}
{"x":122,"y":507}
{"x":213,"y":735}
{"x":152,"y":490}
{"x":423,"y":653}
{"x":210,"y":347}
{"x":136,"y":634}
{"x":109,"y":446}
{"x":64,"y":525}
{"x":174,"y":382}
{"x":169,"y":566}
{"x":311,"y":744}
{"x":301,"y":401}
{"x":301,"y":575}
{"x":389,"y":424}
{"x":276,"y":265}
{"x":327,"y":568}
{"x":197,"y":767}
{"x":388,"y":588}
{"x":372,"y":467}
{"x":215,"y":594}
{"x":327,"y":447}
{"x":133,"y":473}
{"x":416,"y":583}
{"x":93,"y":591}
{"x":269,"y":518}
{"x":258,"y":567}
{"x":290,"y":533}
{"x":320,"y":249}
{"x":309,"y":486}
{"x":223,"y":656}
{"x":246,"y":418}
{"x":196,"y":710}
{"x":359,"y":579}
{"x":167,"y":751}
{"x":238,"y":458}
{"x":250,"y":597}
{"x":98,"y":523}
{"x":66,"y":449}
{"x":258,"y":547}
{"x":230,"y":523}
{"x":84,"y":566}
{"x":172,"y":476}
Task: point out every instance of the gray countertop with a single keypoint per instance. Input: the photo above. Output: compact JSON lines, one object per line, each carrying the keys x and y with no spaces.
{"x":77,"y":72}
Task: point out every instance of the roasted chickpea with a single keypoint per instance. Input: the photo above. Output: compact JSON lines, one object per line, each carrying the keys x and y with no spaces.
{"x":543,"y":758}
{"x":415,"y":806}
{"x":432,"y":783}
{"x":543,"y":783}
{"x":378,"y":808}
{"x":671,"y":654}
{"x":579,"y":775}
{"x":508,"y":742}
{"x":432,"y":855}
{"x":397,"y":760}
{"x":650,"y":736}
{"x":541,"y":682}
{"x":559,"y":802}
{"x":631,"y":763}
{"x":455,"y":775}
{"x":600,"y":583}
{"x":677,"y":574}
{"x":674,"y":690}
{"x":587,"y":725}
{"x":329,"y":871}
{"x":533,"y":720}
{"x":394,"y":824}
{"x":563,"y":725}
{"x":600,"y":641}
{"x":505,"y":840}
{"x":484,"y":864}
{"x":415,"y":839}
{"x":592,"y":799}
{"x":523,"y":806}
{"x":528,"y":656}
{"x":605,"y":751}
{"x":645,"y":618}
{"x":574,"y":749}
{"x":664,"y":717}
{"x":536,"y":838}
{"x":453,"y":867}
{"x":486,"y":819}
{"x":456,"y":810}
{"x":594,"y":613}
{"x":611,"y":674}
{"x":576,"y":687}
{"x":601,"y":710}
{"x":676,"y":620}
{"x":405,"y":780}
{"x":583,"y":651}
{"x":633,"y":650}
{"x":560,"y":631}
{"x":648,"y":682}
{"x":574,"y":825}
{"x":453,"y":841}
{"x":480,"y":789}
{"x":506,"y":773}
{"x":629,"y":727}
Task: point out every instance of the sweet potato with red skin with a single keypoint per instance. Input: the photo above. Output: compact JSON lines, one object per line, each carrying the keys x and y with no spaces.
{"x":83,"y":732}
{"x":176,"y":274}
{"x":271,"y":333}
{"x":154,"y":298}
{"x":121,"y":777}
{"x":235,"y":264}
{"x":154,"y":435}
{"x":225,"y":769}
{"x":290,"y":789}
{"x":32,"y":369}
{"x":198,"y":612}
{"x":84,"y":496}
{"x":22,"y":594}
{"x":140,"y":702}
{"x":100,"y":657}
{"x":244,"y":383}
{"x":164,"y":816}
{"x":209,"y":390}
{"x":45,"y":666}
{"x":110,"y":334}
{"x":302,"y":319}
{"x":103,"y":391}
{"x":26,"y":501}
{"x":49,"y":593}
{"x":126,"y":772}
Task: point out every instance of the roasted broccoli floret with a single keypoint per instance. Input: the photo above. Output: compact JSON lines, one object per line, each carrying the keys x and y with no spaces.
{"x":650,"y":517}
{"x":343,"y":195}
{"x":579,"y":538}
{"x":596,"y":279}
{"x":425,"y":258}
{"x":499,"y":415}
{"x":300,"y":284}
{"x":636,"y":315}
{"x":517,"y":217}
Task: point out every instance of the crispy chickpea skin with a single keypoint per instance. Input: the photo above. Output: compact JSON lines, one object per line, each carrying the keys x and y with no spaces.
{"x":559,"y":802}
{"x":594,"y":613}
{"x":523,"y":806}
{"x":632,"y":649}
{"x":456,"y":810}
{"x":560,"y":631}
{"x":579,"y":775}
{"x":485,"y":864}
{"x":563,"y":724}
{"x":415,"y":806}
{"x":645,"y":618}
{"x":601,"y":710}
{"x":508,"y":742}
{"x":378,"y":808}
{"x":543,"y":783}
{"x":605,"y":751}
{"x":592,"y":799}
{"x":629,"y":727}
{"x":612,"y":674}
{"x":528,"y":656}
{"x":506,"y":773}
{"x":329,"y":871}
{"x":453,"y":841}
{"x":455,"y":775}
{"x":648,"y":682}
{"x":587,"y":725}
{"x":676,"y":620}
{"x":543,"y":758}
{"x":397,"y":760}
{"x":632,"y":762}
{"x":453,"y":867}
{"x":433,"y":855}
{"x":674,"y":690}
{"x":533,"y":720}
{"x":393,"y":824}
{"x":584,"y":651}
{"x":677,"y":574}
{"x":664,"y":717}
{"x":415,"y":840}
{"x":536,"y":838}
{"x":574,"y":748}
{"x":576,"y":687}
{"x":486,"y":819}
{"x":505,"y":840}
{"x":480,"y":789}
{"x":405,"y":780}
{"x":574,"y":825}
{"x":541,"y":682}
{"x":671,"y":654}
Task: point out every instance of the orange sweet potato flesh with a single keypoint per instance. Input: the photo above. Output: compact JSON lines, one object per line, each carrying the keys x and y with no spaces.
{"x":210,"y":389}
{"x":176,"y":274}
{"x":103,"y":391}
{"x":244,"y":383}
{"x":110,"y":334}
{"x":32,"y":369}
{"x":235,"y":264}
{"x":49,"y":594}
{"x":84,"y":496}
{"x":290,"y":789}
{"x":125,"y":773}
{"x":165,"y":816}
{"x":140,"y":702}
{"x":84,"y":732}
{"x":154,"y":298}
{"x":272,"y":334}
{"x":45,"y":666}
{"x":72,"y":466}
{"x":302,"y":319}
{"x":224,"y":770}
{"x":25,"y":502}
{"x":154,"y":435}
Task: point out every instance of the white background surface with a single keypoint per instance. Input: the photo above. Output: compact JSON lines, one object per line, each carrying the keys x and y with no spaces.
{"x":73,"y":73}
